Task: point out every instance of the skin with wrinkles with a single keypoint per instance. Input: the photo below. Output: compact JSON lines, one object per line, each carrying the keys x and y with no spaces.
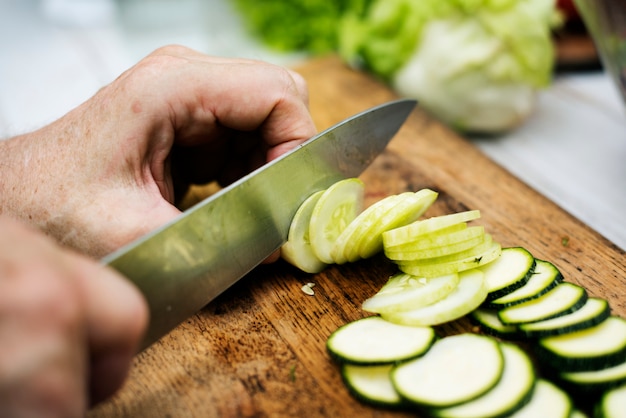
{"x":106,"y":173}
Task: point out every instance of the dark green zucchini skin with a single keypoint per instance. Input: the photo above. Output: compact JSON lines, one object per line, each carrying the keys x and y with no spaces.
{"x":521,"y":277}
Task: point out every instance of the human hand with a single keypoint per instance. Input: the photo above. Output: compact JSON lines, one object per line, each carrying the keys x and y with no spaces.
{"x":110,"y":170}
{"x":69,"y":327}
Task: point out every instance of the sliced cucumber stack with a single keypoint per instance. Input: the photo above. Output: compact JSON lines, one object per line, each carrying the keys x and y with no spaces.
{"x":373,"y":340}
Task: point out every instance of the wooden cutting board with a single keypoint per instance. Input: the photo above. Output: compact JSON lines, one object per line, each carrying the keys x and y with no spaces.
{"x":259,"y":349}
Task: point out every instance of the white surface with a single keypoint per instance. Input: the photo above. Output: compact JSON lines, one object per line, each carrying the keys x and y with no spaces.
{"x":56,"y":53}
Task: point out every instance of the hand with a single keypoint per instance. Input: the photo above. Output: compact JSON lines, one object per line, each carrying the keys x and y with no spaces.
{"x":69,"y":327}
{"x":112,"y":169}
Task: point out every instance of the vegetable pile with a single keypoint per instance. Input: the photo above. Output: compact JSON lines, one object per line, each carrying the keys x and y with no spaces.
{"x":448,"y":269}
{"x":474,"y":64}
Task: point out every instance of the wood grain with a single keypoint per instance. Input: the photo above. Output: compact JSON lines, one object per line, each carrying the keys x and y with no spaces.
{"x":259,"y":349}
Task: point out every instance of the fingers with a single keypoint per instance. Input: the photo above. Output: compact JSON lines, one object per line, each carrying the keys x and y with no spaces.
{"x":65,"y":321}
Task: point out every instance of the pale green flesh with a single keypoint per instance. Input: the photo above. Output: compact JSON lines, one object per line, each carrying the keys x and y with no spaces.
{"x":345,"y":247}
{"x":473,"y":365}
{"x":547,"y":401}
{"x":372,"y":383}
{"x":489,"y":318}
{"x":339,"y":205}
{"x":609,"y":374}
{"x":551,"y":304}
{"x":373,"y":340}
{"x":467,"y":296}
{"x":613,"y":402}
{"x":544,"y":276}
{"x":445,"y":244}
{"x":409,"y":232}
{"x":440,"y":269}
{"x":512,"y":265}
{"x":507,"y":396}
{"x":405,"y":292}
{"x":591,"y":308}
{"x":297,"y":250}
{"x":607,"y":337}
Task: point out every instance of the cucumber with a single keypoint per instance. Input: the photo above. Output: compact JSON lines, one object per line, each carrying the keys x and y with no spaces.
{"x":480,"y":256}
{"x":548,"y":400}
{"x":371,"y":384}
{"x":336,"y":208}
{"x":404,"y":292}
{"x":612,"y":404}
{"x":489,"y":323}
{"x":297,"y":250}
{"x":598,"y":347}
{"x":407,"y":210}
{"x":456,"y":369}
{"x":345,"y":247}
{"x":543,"y":278}
{"x":414,"y":231}
{"x":594,"y":311}
{"x":467,"y":296}
{"x":594,"y":381}
{"x":448,"y":258}
{"x":512,"y":391}
{"x":374,"y":341}
{"x":450,"y":240}
{"x":509,"y":272}
{"x":565,"y":298}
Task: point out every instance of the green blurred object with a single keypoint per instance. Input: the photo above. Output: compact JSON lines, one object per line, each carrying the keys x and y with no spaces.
{"x":298,"y":25}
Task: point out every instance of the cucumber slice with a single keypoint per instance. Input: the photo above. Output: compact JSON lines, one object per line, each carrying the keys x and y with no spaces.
{"x":410,"y":233}
{"x":336,"y":208}
{"x":544,"y":277}
{"x":346,"y":246}
{"x":612,"y":404}
{"x":511,"y":393}
{"x":478,"y":259}
{"x":548,"y":400}
{"x":594,"y":311}
{"x":406,"y":211}
{"x":373,"y":341}
{"x":577,"y":413}
{"x":489,"y":323}
{"x":595,"y":381}
{"x":371,"y":384}
{"x":439,"y":245}
{"x":509,"y":272}
{"x":297,"y":250}
{"x":467,"y":296}
{"x":598,"y":347}
{"x":563,"y":299}
{"x":405,"y":292}
{"x":456,"y":369}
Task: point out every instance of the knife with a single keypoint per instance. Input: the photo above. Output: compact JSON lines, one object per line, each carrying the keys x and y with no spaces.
{"x":183,"y":265}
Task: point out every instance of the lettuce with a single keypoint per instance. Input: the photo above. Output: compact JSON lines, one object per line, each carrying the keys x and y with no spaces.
{"x":474,"y":64}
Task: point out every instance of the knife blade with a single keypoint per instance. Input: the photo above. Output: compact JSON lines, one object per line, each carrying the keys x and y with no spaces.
{"x":185,"y":264}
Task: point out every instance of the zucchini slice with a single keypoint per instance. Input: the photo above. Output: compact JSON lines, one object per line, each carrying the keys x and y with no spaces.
{"x":371,"y":384}
{"x":416,"y":230}
{"x":345,"y":247}
{"x":595,"y":381}
{"x":548,"y":400}
{"x":335,"y":209}
{"x":467,"y":296}
{"x":512,"y":391}
{"x":476,"y":257}
{"x":598,"y":347}
{"x":543,"y":278}
{"x":565,"y":298}
{"x":405,"y":211}
{"x":489,"y":323}
{"x":612,"y":404}
{"x":374,"y":341}
{"x":456,"y":369}
{"x":594,"y":311}
{"x":297,"y":250}
{"x":404,"y":292}
{"x":509,"y":272}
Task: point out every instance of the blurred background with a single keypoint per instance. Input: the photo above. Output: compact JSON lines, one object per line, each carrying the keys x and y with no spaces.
{"x":566,"y":138}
